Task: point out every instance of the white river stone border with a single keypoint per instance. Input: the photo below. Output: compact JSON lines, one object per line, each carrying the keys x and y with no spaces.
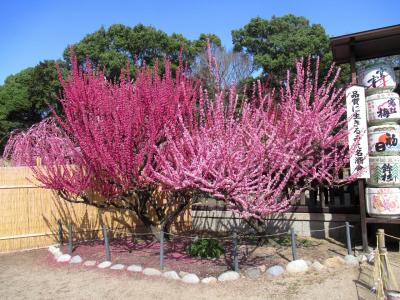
{"x":299,"y":266}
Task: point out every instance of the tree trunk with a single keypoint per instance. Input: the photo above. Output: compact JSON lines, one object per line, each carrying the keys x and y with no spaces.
{"x":141,"y":204}
{"x":260,"y":228}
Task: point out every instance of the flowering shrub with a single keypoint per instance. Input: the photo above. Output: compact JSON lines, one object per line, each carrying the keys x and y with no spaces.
{"x":260,"y":159}
{"x":126,"y":139}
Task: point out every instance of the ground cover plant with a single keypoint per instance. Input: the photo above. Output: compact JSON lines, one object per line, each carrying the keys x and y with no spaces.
{"x":206,"y":248}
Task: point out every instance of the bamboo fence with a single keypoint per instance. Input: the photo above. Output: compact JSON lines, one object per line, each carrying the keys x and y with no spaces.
{"x":29,"y":214}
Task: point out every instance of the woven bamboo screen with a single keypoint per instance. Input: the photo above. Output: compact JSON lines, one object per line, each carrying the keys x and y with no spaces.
{"x":29,"y":214}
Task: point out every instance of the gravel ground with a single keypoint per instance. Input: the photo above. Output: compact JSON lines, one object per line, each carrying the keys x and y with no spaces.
{"x":34,"y":275}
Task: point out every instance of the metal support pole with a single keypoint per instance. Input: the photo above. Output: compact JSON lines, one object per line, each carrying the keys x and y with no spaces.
{"x":235,"y":252}
{"x":70,"y":239}
{"x":60,"y":233}
{"x":161,"y":250}
{"x":294,"y":243}
{"x":106,"y":242}
{"x":348,"y":238}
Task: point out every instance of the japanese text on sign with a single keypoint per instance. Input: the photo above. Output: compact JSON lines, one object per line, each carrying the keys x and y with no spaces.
{"x":355,"y":101}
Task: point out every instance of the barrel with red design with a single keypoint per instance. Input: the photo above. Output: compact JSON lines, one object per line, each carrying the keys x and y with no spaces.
{"x":384,"y":139}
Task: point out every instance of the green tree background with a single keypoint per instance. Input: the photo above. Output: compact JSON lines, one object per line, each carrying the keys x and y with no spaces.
{"x":271,"y":45}
{"x":277,"y":43}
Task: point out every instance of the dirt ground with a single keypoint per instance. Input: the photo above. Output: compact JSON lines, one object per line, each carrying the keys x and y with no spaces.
{"x":176,"y":256}
{"x":30,"y":275}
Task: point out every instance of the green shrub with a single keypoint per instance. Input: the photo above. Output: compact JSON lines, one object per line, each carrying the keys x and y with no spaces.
{"x":206,"y":248}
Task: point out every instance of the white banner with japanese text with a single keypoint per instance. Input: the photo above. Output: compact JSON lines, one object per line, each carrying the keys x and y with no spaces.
{"x":356,"y":111}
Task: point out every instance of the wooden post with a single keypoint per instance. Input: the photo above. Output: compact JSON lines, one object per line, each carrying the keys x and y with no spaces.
{"x":384,"y":270}
{"x":353,"y":63}
{"x":361,"y":183}
{"x":381,"y":240}
{"x":363,"y":214}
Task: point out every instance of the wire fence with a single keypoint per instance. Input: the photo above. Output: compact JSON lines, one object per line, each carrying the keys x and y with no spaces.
{"x":392,"y":237}
{"x":395,"y":263}
{"x":166,"y":245}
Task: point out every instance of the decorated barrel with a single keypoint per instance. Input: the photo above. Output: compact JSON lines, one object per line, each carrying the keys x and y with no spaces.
{"x":383,"y":202}
{"x":377,"y":77}
{"x":384,"y":171}
{"x":384,"y":139}
{"x":383,"y":108}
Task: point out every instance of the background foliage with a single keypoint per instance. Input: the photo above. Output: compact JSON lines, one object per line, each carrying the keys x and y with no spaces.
{"x":271,"y":46}
{"x":276,"y":44}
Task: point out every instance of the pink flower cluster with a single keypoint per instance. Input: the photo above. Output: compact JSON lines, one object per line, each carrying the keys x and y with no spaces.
{"x":257,"y":154}
{"x":260,"y":155}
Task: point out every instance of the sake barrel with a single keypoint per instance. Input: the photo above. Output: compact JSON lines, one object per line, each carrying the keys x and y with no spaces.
{"x":383,"y":202}
{"x":378,"y":77}
{"x":382,"y":108}
{"x":384,"y":171}
{"x":384,"y":139}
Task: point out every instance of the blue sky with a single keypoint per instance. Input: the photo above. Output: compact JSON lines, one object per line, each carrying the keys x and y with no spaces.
{"x":32,"y":31}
